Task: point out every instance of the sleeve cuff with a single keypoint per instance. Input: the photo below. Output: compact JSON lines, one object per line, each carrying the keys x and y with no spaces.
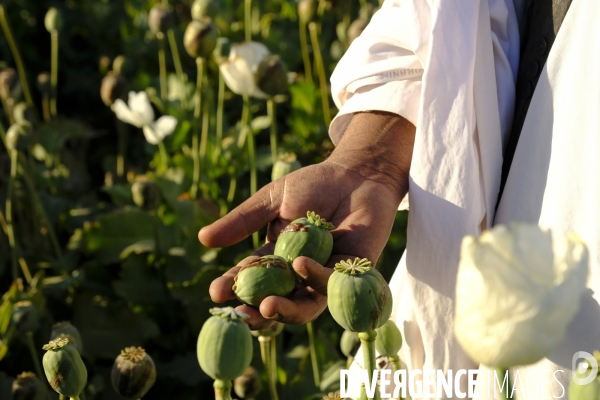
{"x":398,"y":97}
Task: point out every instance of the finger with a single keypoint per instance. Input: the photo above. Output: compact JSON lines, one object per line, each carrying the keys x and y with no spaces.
{"x":245,"y":219}
{"x":255,"y":321}
{"x":300,"y":310}
{"x":314,"y":274}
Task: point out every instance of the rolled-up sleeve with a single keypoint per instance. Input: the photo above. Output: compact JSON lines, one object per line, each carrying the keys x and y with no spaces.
{"x":382,"y":69}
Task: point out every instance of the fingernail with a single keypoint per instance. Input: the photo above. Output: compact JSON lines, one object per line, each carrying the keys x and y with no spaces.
{"x":302,"y":271}
{"x":274,"y":316}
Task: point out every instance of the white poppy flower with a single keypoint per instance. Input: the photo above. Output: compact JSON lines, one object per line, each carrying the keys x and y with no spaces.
{"x":140,"y":114}
{"x":238,"y":71}
{"x":518,"y":288}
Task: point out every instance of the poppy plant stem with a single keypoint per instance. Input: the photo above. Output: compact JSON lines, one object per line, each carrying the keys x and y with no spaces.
{"x":9,"y":214}
{"x":367,"y":339}
{"x":220,"y":103}
{"x":271,"y":113}
{"x":162,"y":64}
{"x":177,"y":62}
{"x":53,"y":72}
{"x":222,"y":390}
{"x":313,"y":354}
{"x":195,"y":137}
{"x":305,"y":55}
{"x":312,"y":27}
{"x":248,"y":19}
{"x":251,"y":157}
{"x":16,"y":55}
{"x":502,"y":375}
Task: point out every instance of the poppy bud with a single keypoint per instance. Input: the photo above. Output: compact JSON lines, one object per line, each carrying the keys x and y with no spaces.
{"x":200,"y":8}
{"x":64,"y":368}
{"x":272,"y":76}
{"x":27,"y":386}
{"x":10,"y":86}
{"x":145,"y":194}
{"x":133,"y":373}
{"x":200,"y":38}
{"x":112,"y":88}
{"x":43,"y":83}
{"x":248,"y":385}
{"x":19,"y":136}
{"x":160,"y":19}
{"x":25,"y":317}
{"x":222,"y":50}
{"x":306,"y":10}
{"x":23,"y":113}
{"x":53,"y":20}
{"x":286,"y":163}
{"x":66,"y":330}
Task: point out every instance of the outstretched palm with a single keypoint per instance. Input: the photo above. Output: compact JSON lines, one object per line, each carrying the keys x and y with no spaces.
{"x":361,"y":209}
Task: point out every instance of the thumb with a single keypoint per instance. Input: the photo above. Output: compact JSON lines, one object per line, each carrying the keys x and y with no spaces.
{"x":314,"y":274}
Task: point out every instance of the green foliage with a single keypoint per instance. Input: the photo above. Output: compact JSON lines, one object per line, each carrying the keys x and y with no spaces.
{"x":127,"y":276}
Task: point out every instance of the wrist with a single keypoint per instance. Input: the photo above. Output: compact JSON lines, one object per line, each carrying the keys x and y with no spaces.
{"x":378,"y":146}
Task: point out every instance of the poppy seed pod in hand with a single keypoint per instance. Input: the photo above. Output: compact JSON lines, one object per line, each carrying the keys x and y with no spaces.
{"x":133,"y":373}
{"x":43,"y":83}
{"x":161,"y":18}
{"x":64,"y":368}
{"x":27,"y":386}
{"x":306,"y":10}
{"x":272,"y":76}
{"x":53,"y":20}
{"x":112,"y":88}
{"x":19,"y":136}
{"x":200,"y":38}
{"x":200,"y":8}
{"x":266,"y":276}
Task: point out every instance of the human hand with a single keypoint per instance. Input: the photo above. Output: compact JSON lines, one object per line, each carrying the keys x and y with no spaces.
{"x":357,"y":191}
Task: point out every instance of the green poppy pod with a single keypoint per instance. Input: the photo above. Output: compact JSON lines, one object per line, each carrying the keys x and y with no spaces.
{"x":25,"y":317}
{"x":27,"y":386}
{"x":65,"y":329}
{"x":225,"y":344}
{"x":389,"y":339}
{"x":53,"y":20}
{"x":133,"y":373}
{"x":285,"y":164}
{"x":349,"y":343}
{"x":264,"y":277}
{"x":306,"y":10}
{"x":308,"y":237}
{"x":200,"y":38}
{"x":358,"y":297}
{"x":161,"y":18}
{"x":272,"y":76}
{"x":64,"y":368}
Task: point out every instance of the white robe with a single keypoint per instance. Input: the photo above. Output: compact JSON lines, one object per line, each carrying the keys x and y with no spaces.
{"x":449,"y":67}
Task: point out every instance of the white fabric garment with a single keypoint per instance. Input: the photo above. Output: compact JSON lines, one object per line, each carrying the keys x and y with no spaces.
{"x":466,"y":50}
{"x":553,"y":181}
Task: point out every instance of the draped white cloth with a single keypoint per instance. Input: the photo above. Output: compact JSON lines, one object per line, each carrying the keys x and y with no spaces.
{"x":449,"y":67}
